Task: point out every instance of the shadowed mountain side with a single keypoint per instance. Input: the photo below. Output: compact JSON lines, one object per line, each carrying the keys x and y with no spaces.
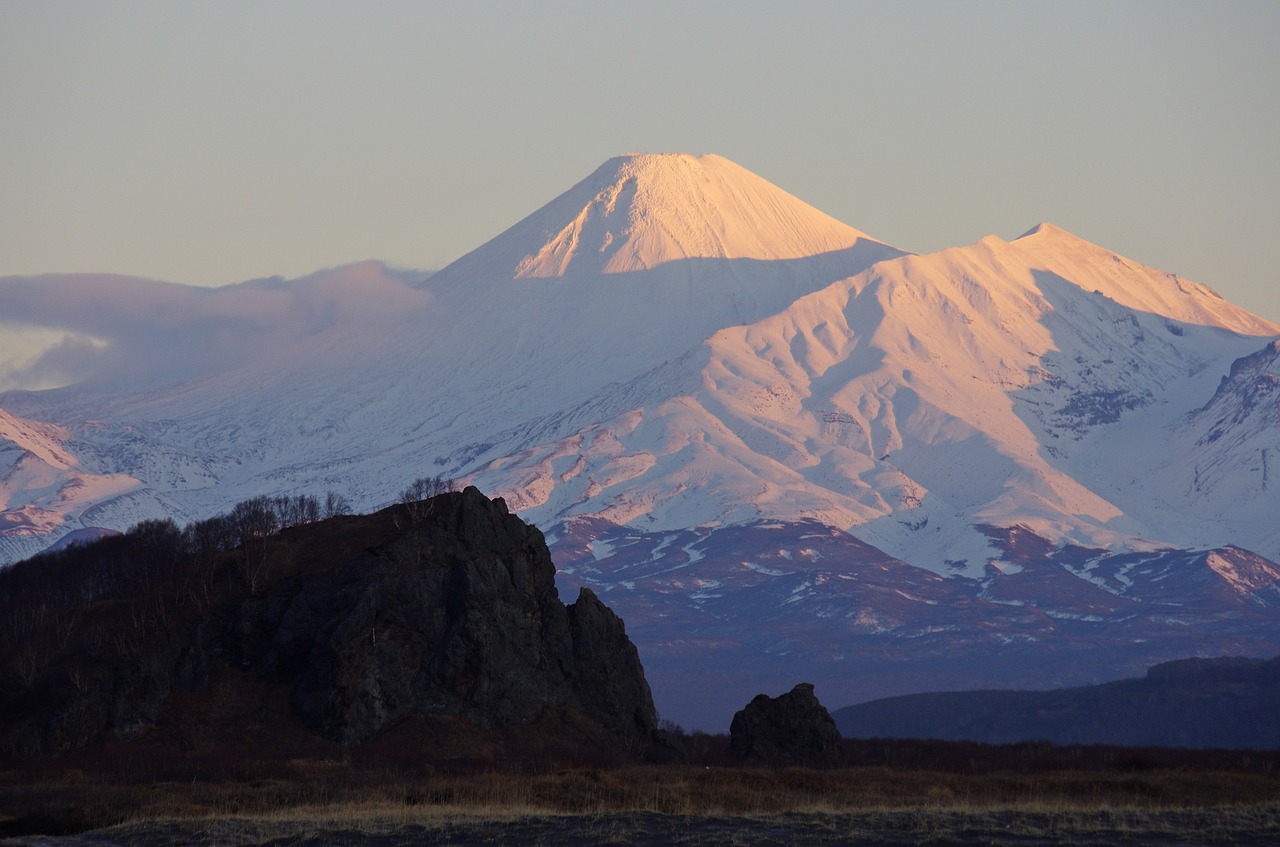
{"x":721,"y":613}
{"x":1227,"y":703}
{"x":442,"y":615}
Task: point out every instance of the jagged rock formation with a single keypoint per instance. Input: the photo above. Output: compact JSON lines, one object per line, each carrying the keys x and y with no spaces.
{"x":1229,"y":703}
{"x":349,"y":627}
{"x":791,"y":729}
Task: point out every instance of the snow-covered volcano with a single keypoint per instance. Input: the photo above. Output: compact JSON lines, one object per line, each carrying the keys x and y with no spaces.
{"x":359,"y":377}
{"x":637,"y":212}
{"x":1004,"y":383}
{"x":763,"y":435}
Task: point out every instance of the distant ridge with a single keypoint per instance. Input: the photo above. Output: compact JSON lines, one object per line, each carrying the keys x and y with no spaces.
{"x":1226,"y":703}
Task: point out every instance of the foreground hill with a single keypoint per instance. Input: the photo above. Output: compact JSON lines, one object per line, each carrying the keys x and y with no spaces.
{"x":1225,"y":703}
{"x":780,"y":447}
{"x":434,"y":625}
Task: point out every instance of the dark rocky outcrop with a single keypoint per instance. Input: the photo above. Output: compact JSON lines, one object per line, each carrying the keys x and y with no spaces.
{"x":1225,"y":703}
{"x":446,"y":616}
{"x":465,"y":620}
{"x":792,"y":729}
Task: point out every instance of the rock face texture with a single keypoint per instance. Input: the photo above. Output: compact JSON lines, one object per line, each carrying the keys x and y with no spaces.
{"x":792,"y":729}
{"x":447,"y":613}
{"x":462,"y":619}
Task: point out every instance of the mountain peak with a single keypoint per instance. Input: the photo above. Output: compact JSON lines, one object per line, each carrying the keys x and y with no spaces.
{"x":1048,"y":230}
{"x":641,"y":210}
{"x":1134,"y":284}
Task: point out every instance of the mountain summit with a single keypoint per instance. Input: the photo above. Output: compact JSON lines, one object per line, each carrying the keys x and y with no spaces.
{"x":775,"y":444}
{"x":1135,"y":285}
{"x":640,"y":211}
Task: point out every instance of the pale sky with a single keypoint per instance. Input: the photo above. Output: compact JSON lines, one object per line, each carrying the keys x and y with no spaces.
{"x":213,"y":142}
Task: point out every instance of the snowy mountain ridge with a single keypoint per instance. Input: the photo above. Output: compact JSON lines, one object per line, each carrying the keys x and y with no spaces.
{"x":681,"y":372}
{"x":850,"y":407}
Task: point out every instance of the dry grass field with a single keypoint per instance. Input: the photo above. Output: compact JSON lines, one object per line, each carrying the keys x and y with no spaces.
{"x":313,"y":803}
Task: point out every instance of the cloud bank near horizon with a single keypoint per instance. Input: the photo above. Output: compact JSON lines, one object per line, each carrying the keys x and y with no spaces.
{"x":60,"y":330}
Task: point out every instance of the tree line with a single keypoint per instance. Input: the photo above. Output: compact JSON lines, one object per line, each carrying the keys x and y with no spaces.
{"x":150,"y":575}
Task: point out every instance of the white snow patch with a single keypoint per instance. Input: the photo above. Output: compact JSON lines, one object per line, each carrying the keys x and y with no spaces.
{"x":761,"y":569}
{"x":662,"y":545}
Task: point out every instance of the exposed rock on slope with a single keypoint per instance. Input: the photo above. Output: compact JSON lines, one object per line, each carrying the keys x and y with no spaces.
{"x":354,"y":626}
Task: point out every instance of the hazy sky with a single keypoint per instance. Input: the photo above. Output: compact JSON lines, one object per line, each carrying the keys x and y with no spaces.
{"x":214,"y":142}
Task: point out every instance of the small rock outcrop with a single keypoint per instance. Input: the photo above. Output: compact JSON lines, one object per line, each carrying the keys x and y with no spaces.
{"x":446,"y":613}
{"x":792,"y":729}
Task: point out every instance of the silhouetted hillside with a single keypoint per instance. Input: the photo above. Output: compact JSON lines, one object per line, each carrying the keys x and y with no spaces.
{"x":1227,"y":703}
{"x":432,"y":627}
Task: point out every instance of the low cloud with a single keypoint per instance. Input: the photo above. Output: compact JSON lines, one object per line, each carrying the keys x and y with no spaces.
{"x":62,"y":330}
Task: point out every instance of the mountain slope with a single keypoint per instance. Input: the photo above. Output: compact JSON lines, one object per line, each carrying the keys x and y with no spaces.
{"x":372,"y":377}
{"x":914,"y":402}
{"x":677,"y":367}
{"x":44,"y":486}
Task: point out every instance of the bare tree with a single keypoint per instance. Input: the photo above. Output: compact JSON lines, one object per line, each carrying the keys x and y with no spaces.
{"x":255,"y":521}
{"x":207,"y":541}
{"x":418,"y":496}
{"x":335,"y":504}
{"x":295,"y":511}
